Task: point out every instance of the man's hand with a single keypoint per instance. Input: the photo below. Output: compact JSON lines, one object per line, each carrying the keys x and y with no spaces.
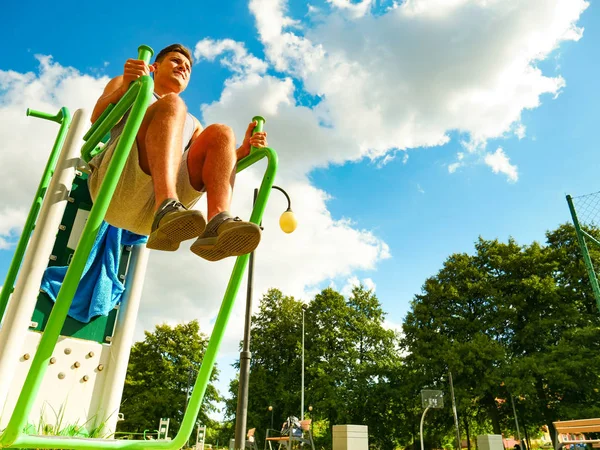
{"x":134,"y":69}
{"x":258,"y":140}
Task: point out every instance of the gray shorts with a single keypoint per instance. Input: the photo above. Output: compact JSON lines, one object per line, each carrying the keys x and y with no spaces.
{"x":132,"y":206}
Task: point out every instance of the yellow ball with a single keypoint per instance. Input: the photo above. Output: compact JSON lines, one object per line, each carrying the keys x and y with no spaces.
{"x":288,"y":222}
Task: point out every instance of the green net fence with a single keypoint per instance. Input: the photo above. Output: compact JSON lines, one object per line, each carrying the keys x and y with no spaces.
{"x":585,"y":212}
{"x":588,"y":209}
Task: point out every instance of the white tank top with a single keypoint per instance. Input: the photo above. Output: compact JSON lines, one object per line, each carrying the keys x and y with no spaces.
{"x":188,"y":128}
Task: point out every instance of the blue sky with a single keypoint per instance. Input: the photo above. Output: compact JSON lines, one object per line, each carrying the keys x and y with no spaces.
{"x":390,"y":225}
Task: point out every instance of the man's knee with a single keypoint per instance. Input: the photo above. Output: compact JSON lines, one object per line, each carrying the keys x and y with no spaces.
{"x":172,"y":102}
{"x":217,"y":132}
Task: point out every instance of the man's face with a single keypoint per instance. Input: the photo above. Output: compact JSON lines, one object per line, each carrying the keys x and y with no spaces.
{"x":173,"y":72}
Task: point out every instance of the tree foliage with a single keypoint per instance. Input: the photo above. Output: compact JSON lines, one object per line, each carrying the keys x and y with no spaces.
{"x":512,"y":323}
{"x":162,"y":369}
{"x":349,"y":358}
{"x":511,"y":320}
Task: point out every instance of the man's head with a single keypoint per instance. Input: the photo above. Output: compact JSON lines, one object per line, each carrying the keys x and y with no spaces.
{"x":172,"y":69}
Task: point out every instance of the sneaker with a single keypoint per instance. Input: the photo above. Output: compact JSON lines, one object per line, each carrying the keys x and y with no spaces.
{"x":173,"y":224}
{"x":226,"y":236}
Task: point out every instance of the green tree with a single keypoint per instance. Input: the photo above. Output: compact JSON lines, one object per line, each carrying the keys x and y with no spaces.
{"x":508,"y":321}
{"x":275,"y":364}
{"x":351,"y":365}
{"x":162,"y":369}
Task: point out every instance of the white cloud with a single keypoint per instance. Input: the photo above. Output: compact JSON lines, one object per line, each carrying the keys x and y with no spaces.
{"x":27,"y":141}
{"x":353,"y":282}
{"x":389,"y":158}
{"x":236,"y":56}
{"x":460,"y":156}
{"x":369,"y":284}
{"x":12,"y":220}
{"x":454,"y":167}
{"x":500,"y":163}
{"x":408,"y":77}
{"x":354,"y":10}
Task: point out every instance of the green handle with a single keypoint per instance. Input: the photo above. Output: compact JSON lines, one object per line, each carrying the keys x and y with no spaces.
{"x":260,"y":121}
{"x":58,"y":117}
{"x":145,"y":53}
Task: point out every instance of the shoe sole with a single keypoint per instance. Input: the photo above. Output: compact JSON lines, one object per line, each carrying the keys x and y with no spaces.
{"x":171,"y":234}
{"x":236,"y":241}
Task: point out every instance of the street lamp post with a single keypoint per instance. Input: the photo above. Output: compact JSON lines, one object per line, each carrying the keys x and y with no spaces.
{"x":271,"y":409}
{"x":302,"y":374}
{"x":288,"y":223}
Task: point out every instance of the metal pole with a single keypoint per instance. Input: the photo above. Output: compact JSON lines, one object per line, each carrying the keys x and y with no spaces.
{"x":458,"y":442}
{"x":302,"y":375}
{"x":516,"y":420}
{"x":421,"y":427}
{"x":120,"y":346}
{"x":245,"y":355}
{"x":187,"y":398}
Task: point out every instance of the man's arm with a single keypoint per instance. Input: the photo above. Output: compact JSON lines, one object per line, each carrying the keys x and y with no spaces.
{"x":257,"y":140}
{"x":112,"y":94}
{"x":117,"y":87}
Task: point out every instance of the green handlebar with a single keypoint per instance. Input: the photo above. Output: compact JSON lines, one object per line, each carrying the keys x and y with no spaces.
{"x":145,"y":53}
{"x":260,"y":121}
{"x":42,"y":115}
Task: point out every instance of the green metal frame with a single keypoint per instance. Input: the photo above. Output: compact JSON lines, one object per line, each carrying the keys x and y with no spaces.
{"x":581,"y":237}
{"x":138,"y":95}
{"x":63,"y":117}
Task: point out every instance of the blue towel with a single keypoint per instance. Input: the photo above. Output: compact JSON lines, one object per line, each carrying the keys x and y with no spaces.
{"x":100,"y":288}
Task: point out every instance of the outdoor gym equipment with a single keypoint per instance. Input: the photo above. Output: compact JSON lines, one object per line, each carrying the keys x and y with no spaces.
{"x":49,"y":347}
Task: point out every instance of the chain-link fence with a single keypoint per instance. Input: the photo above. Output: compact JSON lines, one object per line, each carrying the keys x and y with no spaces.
{"x":585,"y":212}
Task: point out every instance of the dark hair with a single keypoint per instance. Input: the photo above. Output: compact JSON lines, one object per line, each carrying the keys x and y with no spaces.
{"x":179,"y":48}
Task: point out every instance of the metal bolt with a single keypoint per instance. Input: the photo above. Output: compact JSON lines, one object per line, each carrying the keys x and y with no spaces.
{"x":67,"y":351}
{"x":26,"y":356}
{"x":100,"y":367}
{"x":61,"y":375}
{"x":62,"y":227}
{"x":85,"y":378}
{"x":52,"y":360}
{"x":90,"y":354}
{"x":77,"y":364}
{"x":53,"y":257}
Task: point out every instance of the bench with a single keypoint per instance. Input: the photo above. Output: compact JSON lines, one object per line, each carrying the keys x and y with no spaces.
{"x":577,"y":427}
{"x":287,"y":441}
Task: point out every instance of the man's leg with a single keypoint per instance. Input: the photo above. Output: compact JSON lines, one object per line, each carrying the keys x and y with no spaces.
{"x":159,"y":142}
{"x":211,"y":165}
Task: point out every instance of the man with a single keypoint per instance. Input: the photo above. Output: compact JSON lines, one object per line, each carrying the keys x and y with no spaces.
{"x":173,"y":161}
